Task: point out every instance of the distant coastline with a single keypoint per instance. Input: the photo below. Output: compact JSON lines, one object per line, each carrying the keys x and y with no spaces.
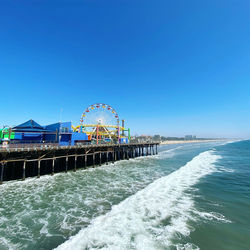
{"x":186,"y":141}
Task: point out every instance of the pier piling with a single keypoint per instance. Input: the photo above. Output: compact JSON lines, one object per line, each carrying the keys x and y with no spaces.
{"x":20,"y":163}
{"x":67,"y":164}
{"x":75,"y":163}
{"x":85,"y":160}
{"x":113,"y":157}
{"x":107,"y":157}
{"x":53,"y":166}
{"x":24,"y":168}
{"x":39,"y":169}
{"x":2,"y":172}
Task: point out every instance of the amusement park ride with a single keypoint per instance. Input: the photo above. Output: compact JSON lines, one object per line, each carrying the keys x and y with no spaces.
{"x":102,"y":124}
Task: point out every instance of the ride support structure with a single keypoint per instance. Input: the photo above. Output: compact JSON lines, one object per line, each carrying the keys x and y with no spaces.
{"x":102,"y":123}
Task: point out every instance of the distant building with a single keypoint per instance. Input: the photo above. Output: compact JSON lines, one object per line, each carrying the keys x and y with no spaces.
{"x":142,"y":139}
{"x":190,"y":137}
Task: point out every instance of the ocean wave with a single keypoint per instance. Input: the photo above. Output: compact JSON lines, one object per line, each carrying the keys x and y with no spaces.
{"x":70,"y":201}
{"x":212,"y":216}
{"x":150,"y":218}
{"x":225,"y":169}
{"x":167,"y":153}
{"x":187,"y":246}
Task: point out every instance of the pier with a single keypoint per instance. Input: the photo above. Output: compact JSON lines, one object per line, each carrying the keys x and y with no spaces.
{"x":19,"y":163}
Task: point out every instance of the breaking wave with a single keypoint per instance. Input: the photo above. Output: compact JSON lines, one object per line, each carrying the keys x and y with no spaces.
{"x":152,"y":217}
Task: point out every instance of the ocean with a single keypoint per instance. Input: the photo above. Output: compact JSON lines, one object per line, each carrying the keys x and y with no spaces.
{"x":189,"y":196}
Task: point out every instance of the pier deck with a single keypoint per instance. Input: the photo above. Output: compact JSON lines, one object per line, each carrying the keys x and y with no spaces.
{"x":22,"y":161}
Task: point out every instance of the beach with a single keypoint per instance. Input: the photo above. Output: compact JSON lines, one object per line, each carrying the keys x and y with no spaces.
{"x":185,"y":141}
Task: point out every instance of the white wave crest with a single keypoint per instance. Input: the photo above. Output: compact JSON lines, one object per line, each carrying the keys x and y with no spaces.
{"x":151,"y":217}
{"x":225,"y":169}
{"x":212,"y":216}
{"x":169,"y":153}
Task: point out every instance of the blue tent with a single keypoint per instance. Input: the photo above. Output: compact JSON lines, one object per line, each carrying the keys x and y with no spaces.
{"x":29,"y":126}
{"x":32,"y":132}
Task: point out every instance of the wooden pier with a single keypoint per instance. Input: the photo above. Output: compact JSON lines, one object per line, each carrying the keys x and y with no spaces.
{"x":34,"y":161}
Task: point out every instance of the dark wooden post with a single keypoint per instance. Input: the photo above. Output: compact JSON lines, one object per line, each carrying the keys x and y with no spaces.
{"x":147,"y":151}
{"x":75,"y":162}
{"x":153,"y":149}
{"x":24,"y":167}
{"x":53,"y":166}
{"x":100,"y":158}
{"x":93,"y":159}
{"x":85,"y":160}
{"x":156,"y":149}
{"x":123,"y":153}
{"x":2,"y":171}
{"x":39,"y":169}
{"x":107,"y":157}
{"x":113,"y":157}
{"x":127,"y":153}
{"x":67,"y":163}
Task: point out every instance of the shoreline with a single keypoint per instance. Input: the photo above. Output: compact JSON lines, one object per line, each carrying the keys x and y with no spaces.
{"x":186,"y":141}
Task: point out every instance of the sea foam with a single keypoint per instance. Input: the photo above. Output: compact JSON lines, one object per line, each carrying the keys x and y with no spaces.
{"x":150,"y":218}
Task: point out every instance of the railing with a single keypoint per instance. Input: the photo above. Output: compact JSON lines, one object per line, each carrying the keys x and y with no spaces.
{"x":38,"y":146}
{"x":28,"y":145}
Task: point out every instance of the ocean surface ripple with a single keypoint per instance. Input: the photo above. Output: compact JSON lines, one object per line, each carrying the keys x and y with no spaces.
{"x":178,"y":199}
{"x":149,"y":218}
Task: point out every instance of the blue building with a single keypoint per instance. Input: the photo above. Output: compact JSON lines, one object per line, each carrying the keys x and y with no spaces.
{"x":60,"y":132}
{"x":31,"y":132}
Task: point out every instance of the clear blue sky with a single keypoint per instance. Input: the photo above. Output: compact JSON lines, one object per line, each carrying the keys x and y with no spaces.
{"x":169,"y":67}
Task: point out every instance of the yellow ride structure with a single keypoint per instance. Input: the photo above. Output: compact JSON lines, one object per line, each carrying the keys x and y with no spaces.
{"x":99,"y":127}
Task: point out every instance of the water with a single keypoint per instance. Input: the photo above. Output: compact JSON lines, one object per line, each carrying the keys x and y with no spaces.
{"x":187,"y":197}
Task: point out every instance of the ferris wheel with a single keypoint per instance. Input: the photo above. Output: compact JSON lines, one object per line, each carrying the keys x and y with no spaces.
{"x":100,"y":113}
{"x":101,"y":121}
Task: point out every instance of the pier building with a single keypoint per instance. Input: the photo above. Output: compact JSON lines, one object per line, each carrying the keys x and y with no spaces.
{"x":31,"y":149}
{"x":30,"y":132}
